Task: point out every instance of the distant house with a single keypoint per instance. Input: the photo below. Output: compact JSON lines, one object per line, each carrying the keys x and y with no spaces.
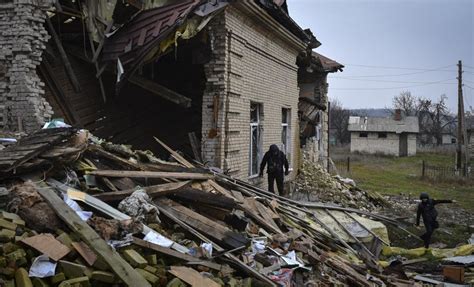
{"x":391,"y":136}
{"x":448,"y":138}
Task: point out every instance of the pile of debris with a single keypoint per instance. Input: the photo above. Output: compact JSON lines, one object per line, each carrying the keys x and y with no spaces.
{"x":83,"y":212}
{"x":314,"y":183}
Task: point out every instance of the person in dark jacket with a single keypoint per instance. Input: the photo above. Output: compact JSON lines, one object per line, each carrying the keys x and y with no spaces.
{"x":276,"y":161}
{"x":427,"y":210}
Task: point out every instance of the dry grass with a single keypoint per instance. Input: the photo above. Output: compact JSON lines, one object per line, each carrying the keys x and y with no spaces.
{"x":394,"y":176}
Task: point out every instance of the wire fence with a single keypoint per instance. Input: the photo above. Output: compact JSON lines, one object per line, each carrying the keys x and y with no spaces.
{"x":428,"y":171}
{"x":341,"y":167}
{"x":445,"y":172}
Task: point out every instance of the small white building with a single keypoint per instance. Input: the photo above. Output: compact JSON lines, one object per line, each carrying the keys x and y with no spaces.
{"x":390,"y":136}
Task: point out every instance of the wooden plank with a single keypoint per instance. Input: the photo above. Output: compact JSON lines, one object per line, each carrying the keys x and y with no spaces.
{"x":220,"y":189}
{"x":62,"y":53}
{"x":118,"y":265}
{"x":233,"y":258}
{"x":181,"y":256}
{"x":89,"y":256}
{"x":150,"y":174}
{"x":195,"y":146}
{"x":192,"y":277}
{"x":174,"y":154}
{"x":366,"y":229}
{"x":199,"y":197}
{"x":48,"y":245}
{"x":205,"y":225}
{"x":161,"y":91}
{"x":153,"y":191}
{"x":253,"y":213}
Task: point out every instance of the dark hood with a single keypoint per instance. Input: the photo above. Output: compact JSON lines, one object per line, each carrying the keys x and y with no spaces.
{"x":274,"y":149}
{"x":424,"y":195}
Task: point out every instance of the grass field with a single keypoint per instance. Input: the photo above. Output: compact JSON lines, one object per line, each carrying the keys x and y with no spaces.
{"x":394,"y":176}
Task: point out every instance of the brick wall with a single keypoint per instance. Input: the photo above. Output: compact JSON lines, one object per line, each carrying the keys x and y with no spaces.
{"x":23,"y":39}
{"x":250,"y":64}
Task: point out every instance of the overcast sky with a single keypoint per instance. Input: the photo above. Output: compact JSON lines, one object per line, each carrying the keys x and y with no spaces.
{"x":421,"y":38}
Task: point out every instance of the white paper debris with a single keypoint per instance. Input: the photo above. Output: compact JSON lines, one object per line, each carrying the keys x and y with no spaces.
{"x":42,"y":267}
{"x":120,"y":70}
{"x":84,"y":215}
{"x":207,"y":249}
{"x":156,"y":238}
{"x":258,"y":246}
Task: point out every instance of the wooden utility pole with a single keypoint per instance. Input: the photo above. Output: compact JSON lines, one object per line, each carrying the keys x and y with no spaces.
{"x":460,"y":133}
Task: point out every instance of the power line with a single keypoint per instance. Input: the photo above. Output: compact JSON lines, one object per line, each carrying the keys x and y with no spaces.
{"x":420,"y":71}
{"x":379,"y":81}
{"x":399,"y":68}
{"x":394,"y":88}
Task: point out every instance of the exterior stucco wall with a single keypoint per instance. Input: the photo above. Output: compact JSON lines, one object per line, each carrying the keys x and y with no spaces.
{"x":250,"y":64}
{"x":372,"y":144}
{"x":412,"y":144}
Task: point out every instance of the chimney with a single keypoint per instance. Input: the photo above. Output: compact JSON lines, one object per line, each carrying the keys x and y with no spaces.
{"x":398,"y":115}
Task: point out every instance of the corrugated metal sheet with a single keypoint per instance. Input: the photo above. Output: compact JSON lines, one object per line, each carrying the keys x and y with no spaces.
{"x":465,"y":260}
{"x":145,"y":31}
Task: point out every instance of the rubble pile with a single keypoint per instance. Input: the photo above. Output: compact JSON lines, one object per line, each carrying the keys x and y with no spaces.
{"x":83,"y":212}
{"x":314,"y":183}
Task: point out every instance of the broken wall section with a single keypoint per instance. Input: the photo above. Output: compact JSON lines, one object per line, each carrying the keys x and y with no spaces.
{"x":23,"y":39}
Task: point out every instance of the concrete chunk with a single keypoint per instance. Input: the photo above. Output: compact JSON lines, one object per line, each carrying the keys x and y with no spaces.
{"x":72,"y":270}
{"x":103,"y":276}
{"x":22,"y":279}
{"x":76,"y":282}
{"x":151,"y":269}
{"x":7,"y":235}
{"x":153,"y":279}
{"x":152,"y":259}
{"x":135,"y":259}
{"x":176,"y":282}
{"x":10,"y":216}
{"x":39,"y":282}
{"x":7,"y":224}
{"x":58,"y":278}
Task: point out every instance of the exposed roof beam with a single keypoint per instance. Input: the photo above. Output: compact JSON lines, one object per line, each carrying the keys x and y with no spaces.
{"x":161,"y":91}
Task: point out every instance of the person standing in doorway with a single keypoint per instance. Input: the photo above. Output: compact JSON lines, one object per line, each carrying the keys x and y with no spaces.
{"x":277,"y":168}
{"x":426,"y":210}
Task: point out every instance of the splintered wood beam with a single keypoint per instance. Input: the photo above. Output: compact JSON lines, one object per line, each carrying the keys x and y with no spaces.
{"x":152,"y":191}
{"x":151,"y":174}
{"x":203,"y":224}
{"x":182,"y":256}
{"x":118,"y":265}
{"x":161,"y":91}
{"x":238,"y":263}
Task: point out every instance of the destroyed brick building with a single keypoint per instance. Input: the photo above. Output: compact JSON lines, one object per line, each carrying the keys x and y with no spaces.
{"x":223,"y":75}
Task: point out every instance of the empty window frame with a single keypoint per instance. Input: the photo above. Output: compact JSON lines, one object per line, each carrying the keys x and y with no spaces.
{"x":382,"y":135}
{"x":255,"y":138}
{"x":363,"y":134}
{"x":286,"y":132}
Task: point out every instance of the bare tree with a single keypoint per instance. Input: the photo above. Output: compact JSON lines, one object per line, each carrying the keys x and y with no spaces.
{"x":407,"y":103}
{"x":339,"y":119}
{"x":433,"y":117}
